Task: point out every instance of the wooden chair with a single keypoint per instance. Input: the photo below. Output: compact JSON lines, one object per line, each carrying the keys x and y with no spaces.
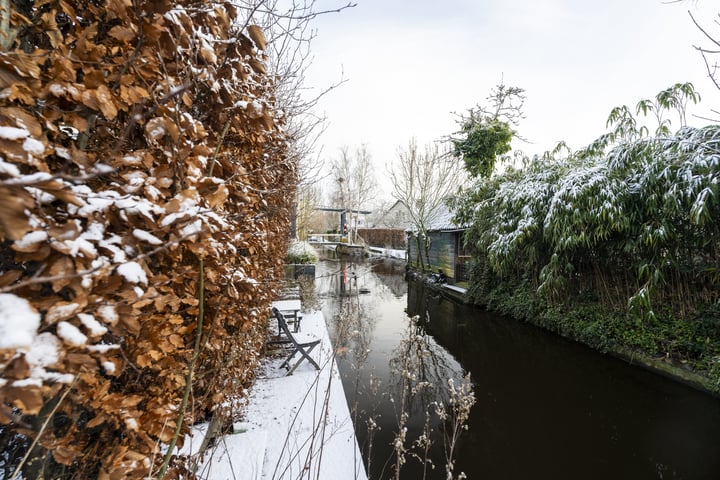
{"x":301,"y":343}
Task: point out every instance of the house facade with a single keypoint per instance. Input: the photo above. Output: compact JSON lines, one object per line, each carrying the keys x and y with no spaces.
{"x":396,"y":217}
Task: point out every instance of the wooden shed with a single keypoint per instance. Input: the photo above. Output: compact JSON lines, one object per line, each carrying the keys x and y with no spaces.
{"x":447,"y":253}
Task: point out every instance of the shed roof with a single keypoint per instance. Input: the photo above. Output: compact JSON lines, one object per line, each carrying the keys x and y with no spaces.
{"x":441,"y":221}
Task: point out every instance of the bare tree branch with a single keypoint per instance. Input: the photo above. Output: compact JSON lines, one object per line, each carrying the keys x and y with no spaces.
{"x":423,"y":181}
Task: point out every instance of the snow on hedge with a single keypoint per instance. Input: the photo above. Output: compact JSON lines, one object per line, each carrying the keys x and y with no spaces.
{"x":654,"y":198}
{"x":19,"y":322}
{"x":301,"y":252}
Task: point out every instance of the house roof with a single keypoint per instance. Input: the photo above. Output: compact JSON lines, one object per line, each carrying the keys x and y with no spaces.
{"x":396,"y":216}
{"x":439,"y":221}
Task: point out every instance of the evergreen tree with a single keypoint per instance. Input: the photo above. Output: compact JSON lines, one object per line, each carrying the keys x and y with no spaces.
{"x":486,"y":132}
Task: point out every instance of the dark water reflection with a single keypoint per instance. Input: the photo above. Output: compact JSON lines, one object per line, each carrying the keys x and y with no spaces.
{"x":546,"y":408}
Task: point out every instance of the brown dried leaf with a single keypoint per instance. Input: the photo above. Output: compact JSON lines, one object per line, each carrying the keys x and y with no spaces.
{"x":27,"y":399}
{"x":13,"y":150}
{"x":25,"y":120}
{"x":257,"y":65}
{"x":208,"y":53}
{"x":153,"y":30}
{"x":131,"y":401}
{"x":107,"y":102}
{"x":85,"y":48}
{"x":99,"y":419}
{"x":156,"y":128}
{"x":218,"y":197}
{"x":232,"y":292}
{"x":39,"y":255}
{"x":257,"y":36}
{"x":94,"y":78}
{"x":63,"y":268}
{"x":187,"y":99}
{"x":9,"y":277}
{"x":143,"y":361}
{"x":60,"y":191}
{"x":122,"y":33}
{"x":50,"y":28}
{"x":177,"y":341}
{"x":22,"y":64}
{"x":4,"y":411}
{"x":66,"y":231}
{"x":78,"y":361}
{"x":17,"y":369}
{"x":61,"y":70}
{"x":90,"y":100}
{"x":24,"y":93}
{"x":67,"y":8}
{"x":131,"y":323}
{"x":61,"y":311}
{"x":13,"y":220}
{"x":65,"y":454}
{"x":8,"y":76}
{"x":119,"y":8}
{"x":77,"y":121}
{"x":132,"y":94}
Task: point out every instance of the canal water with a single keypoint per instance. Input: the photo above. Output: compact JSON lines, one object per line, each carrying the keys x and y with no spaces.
{"x":546,"y":408}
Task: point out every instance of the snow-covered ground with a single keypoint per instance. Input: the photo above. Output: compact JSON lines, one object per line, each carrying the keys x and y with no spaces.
{"x":294,"y":427}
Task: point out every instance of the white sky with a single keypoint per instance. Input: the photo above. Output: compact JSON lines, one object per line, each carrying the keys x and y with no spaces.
{"x":410,"y":64}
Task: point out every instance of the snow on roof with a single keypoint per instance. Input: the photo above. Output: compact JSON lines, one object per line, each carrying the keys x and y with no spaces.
{"x":441,"y":220}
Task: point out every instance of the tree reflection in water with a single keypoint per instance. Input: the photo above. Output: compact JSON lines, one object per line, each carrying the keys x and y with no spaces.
{"x":429,"y":386}
{"x":410,"y":405}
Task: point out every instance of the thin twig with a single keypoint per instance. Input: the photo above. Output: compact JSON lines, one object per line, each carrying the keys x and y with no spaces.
{"x":189,"y":378}
{"x":218,"y":147}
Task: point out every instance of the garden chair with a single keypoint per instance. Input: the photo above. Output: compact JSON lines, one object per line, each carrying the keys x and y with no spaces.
{"x":300,"y":343}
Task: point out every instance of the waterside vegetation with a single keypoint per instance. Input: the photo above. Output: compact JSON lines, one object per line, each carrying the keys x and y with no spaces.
{"x":615,"y":245}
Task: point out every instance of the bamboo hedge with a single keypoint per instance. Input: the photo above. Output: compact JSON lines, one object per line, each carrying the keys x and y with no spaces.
{"x":630,"y":224}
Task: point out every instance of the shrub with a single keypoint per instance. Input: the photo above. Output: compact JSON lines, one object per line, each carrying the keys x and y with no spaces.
{"x":301,"y":252}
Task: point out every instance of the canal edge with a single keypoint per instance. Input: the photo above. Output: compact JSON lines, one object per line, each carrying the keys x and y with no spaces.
{"x":658,"y":366}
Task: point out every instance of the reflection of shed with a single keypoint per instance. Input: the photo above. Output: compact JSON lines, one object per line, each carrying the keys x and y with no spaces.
{"x":447,"y":252}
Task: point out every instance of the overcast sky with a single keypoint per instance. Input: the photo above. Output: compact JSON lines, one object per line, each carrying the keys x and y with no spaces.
{"x":410,"y":64}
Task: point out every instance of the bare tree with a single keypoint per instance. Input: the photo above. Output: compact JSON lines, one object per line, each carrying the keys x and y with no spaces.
{"x":356,"y":182}
{"x":710,"y":54}
{"x":422,"y":181}
{"x":290,"y":33}
{"x":288,"y":28}
{"x":308,"y":199}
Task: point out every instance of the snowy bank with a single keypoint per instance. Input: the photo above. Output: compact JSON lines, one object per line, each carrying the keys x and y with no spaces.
{"x":294,"y":427}
{"x":389,"y":252}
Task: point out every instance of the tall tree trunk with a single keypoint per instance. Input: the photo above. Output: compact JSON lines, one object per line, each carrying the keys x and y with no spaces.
{"x":419,"y":253}
{"x":426,"y":244}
